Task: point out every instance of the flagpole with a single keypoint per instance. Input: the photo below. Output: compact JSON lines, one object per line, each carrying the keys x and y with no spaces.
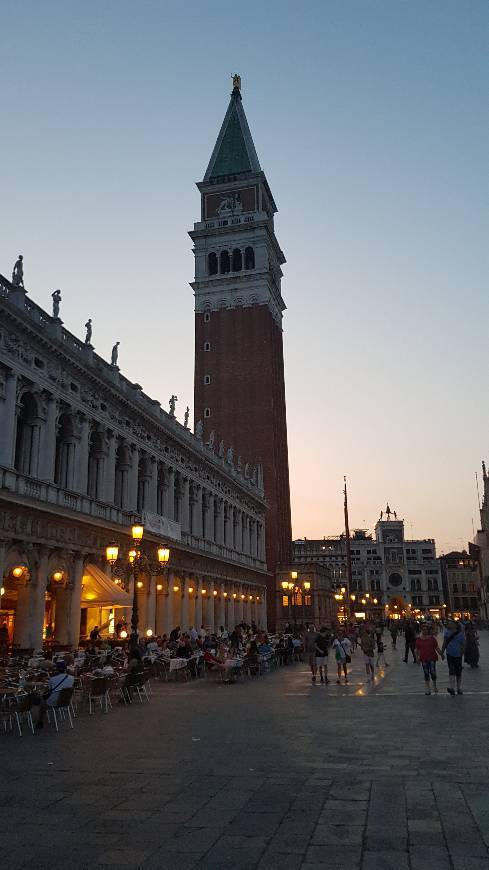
{"x":348,"y":554}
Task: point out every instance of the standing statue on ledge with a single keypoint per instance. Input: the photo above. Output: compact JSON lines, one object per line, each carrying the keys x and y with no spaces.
{"x":221,"y":449}
{"x":173,"y":401}
{"x":239,"y":465}
{"x":199,"y":430}
{"x":88,"y":327}
{"x":211,"y":440}
{"x":115,"y":354}
{"x":56,"y":297}
{"x":186,"y":416}
{"x":229,"y":456}
{"x":18,"y":272}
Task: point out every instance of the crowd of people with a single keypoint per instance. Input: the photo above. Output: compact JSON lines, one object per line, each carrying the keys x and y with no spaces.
{"x":460,"y":644}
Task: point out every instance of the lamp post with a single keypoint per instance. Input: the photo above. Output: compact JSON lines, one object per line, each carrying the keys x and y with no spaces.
{"x":137,"y":562}
{"x":306,"y":588}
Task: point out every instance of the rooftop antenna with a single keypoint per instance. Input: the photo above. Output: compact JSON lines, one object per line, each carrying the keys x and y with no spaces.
{"x":477,"y":485}
{"x":473,"y":530}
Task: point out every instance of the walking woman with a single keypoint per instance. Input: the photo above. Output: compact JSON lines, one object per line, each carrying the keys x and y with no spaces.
{"x":427,"y":652}
{"x":453,"y":644}
{"x":471,"y":654}
{"x":342,"y":648}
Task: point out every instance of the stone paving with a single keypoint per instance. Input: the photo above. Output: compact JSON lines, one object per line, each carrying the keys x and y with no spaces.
{"x":273,"y":773}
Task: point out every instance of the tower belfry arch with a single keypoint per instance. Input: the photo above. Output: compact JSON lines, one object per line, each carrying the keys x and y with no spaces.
{"x":239,"y":388}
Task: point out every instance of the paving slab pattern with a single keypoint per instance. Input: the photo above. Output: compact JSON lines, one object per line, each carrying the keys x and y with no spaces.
{"x":273,"y":773}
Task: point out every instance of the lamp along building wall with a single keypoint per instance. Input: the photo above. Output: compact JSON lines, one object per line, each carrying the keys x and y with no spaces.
{"x":84,"y":452}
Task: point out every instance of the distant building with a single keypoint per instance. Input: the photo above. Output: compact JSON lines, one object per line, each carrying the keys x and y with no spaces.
{"x":390,"y":575}
{"x":305,"y":595}
{"x":480,"y":548}
{"x":461,"y":580}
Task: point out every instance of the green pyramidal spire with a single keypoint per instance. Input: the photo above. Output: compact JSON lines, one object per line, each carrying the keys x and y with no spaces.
{"x":234,"y":151}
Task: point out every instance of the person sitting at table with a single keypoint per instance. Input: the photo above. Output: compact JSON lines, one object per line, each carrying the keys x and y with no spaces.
{"x":60,"y":680}
{"x":95,"y":633}
{"x":184,"y":649}
{"x":175,"y":634}
{"x":164,"y":650}
{"x":253,"y":657}
{"x":212,"y":662}
{"x":134,"y":659}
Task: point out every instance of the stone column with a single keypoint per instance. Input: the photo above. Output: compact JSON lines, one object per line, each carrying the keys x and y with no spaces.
{"x":75,"y":602}
{"x":210,"y":519}
{"x":184,"y":625}
{"x":153,"y":487}
{"x":198,"y":604}
{"x":170,"y":494}
{"x":239,"y":531}
{"x":261,"y":541}
{"x":8,"y":420}
{"x":263,"y":611}
{"x":160,"y":609}
{"x":211,"y":606}
{"x":247,"y":607}
{"x":198,"y":511}
{"x":168,"y":606}
{"x":185,"y":506}
{"x":151,"y":604}
{"x":48,"y":441}
{"x":222,"y":605}
{"x":220,"y":522}
{"x":62,"y":615}
{"x":109,"y":483}
{"x":81,"y":482}
{"x":231,"y":611}
{"x":29,"y":620}
{"x":253,"y":541}
{"x":133,"y":480}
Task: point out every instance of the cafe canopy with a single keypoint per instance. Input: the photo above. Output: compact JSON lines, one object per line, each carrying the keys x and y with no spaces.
{"x":99,"y":590}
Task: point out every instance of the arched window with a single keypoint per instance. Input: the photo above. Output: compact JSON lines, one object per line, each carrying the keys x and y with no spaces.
{"x":249,"y":258}
{"x":212,"y":263}
{"x":225,"y":263}
{"x":28,"y":433}
{"x":64,"y":469}
{"x":237,"y":260}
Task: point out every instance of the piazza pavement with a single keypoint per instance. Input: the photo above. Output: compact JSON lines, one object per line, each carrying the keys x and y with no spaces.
{"x":269,"y":773}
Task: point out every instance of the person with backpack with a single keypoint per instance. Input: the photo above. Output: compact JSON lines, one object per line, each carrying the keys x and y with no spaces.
{"x":323,"y":642}
{"x":342,"y":648}
{"x":454,"y":645}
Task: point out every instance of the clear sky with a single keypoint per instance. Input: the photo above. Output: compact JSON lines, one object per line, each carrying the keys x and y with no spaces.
{"x":370,"y":120}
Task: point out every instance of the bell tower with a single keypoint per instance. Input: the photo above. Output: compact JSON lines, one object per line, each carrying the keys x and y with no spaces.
{"x":239,"y":388}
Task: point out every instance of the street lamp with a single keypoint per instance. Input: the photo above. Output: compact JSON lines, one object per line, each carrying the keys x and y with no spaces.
{"x":138,"y":561}
{"x":306,"y":588}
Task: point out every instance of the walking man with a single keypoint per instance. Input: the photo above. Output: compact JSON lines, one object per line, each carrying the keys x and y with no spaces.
{"x":427,"y":652}
{"x":368,"y":648}
{"x":310,"y":649}
{"x":410,"y":639}
{"x":454,"y":645}
{"x":322,"y":649}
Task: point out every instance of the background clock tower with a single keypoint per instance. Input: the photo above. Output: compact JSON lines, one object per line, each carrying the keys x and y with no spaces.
{"x":239,"y":390}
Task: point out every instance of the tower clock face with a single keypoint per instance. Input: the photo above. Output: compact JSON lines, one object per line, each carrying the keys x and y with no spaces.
{"x":230,"y":203}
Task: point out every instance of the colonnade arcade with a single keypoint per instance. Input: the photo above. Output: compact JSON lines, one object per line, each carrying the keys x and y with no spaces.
{"x":46,"y":594}
{"x":50,"y":441}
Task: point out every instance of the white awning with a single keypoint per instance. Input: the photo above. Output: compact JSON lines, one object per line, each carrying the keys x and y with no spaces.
{"x":99,"y":590}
